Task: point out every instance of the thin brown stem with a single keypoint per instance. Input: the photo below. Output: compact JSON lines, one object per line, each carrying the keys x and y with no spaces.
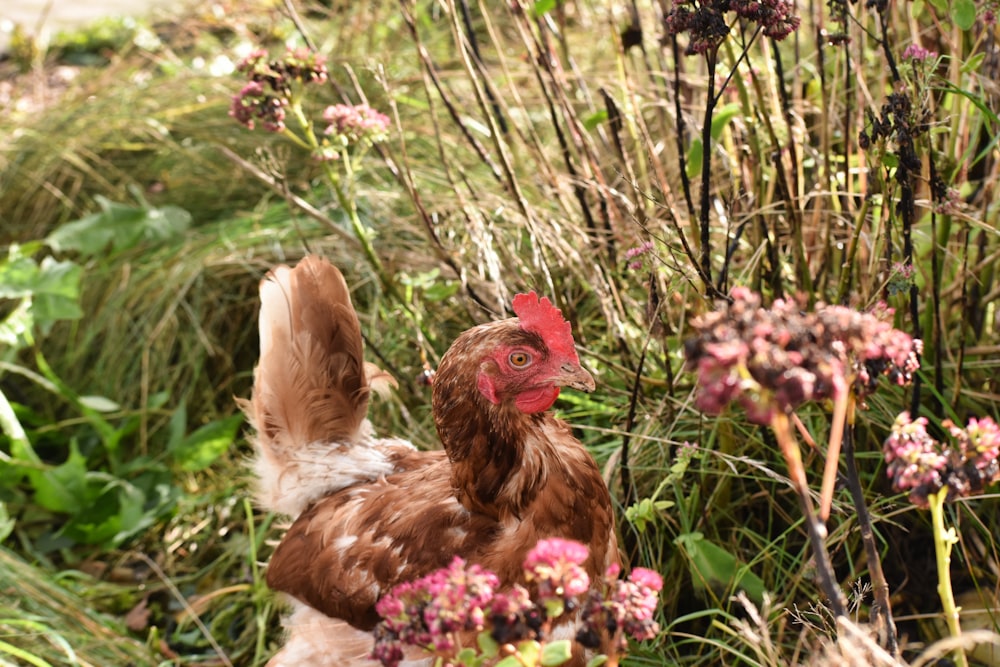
{"x":781,"y":426}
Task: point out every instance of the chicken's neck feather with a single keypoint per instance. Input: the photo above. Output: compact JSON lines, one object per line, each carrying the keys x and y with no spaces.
{"x":500,"y":455}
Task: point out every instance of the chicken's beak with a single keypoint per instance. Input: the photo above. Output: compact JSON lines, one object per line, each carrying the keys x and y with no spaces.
{"x":575,"y":377}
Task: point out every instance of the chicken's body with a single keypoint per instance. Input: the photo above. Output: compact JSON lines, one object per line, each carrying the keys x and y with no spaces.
{"x":372,"y":513}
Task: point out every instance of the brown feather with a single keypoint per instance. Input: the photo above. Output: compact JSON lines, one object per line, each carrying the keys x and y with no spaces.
{"x":310,"y":383}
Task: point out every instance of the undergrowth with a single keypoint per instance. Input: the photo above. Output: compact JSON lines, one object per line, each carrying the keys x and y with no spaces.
{"x":631,"y":160}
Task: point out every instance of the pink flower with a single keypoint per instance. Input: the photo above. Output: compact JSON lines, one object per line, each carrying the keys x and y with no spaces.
{"x":554,"y":565}
{"x":356,"y":123}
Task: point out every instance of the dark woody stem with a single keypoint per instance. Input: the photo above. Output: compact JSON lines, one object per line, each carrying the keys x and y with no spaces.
{"x":781,"y":426}
{"x":881,"y":611}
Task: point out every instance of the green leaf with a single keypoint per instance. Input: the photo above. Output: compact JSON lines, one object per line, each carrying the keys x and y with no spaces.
{"x":940,"y":5}
{"x":510,"y":661}
{"x":721,"y":117}
{"x":716,"y":568}
{"x":467,"y":657}
{"x":974,"y":63}
{"x":118,"y":227}
{"x":488,"y":646}
{"x":52,"y":289}
{"x":694,"y":158}
{"x":6,"y":523}
{"x":99,"y":404}
{"x":529,"y":651}
{"x":645,"y":512}
{"x":63,"y":488}
{"x":595,"y":119}
{"x":200,"y":449}
{"x":177,"y":427}
{"x":963,"y":13}
{"x":556,"y":653}
{"x":542,"y":7}
{"x":597,"y":661}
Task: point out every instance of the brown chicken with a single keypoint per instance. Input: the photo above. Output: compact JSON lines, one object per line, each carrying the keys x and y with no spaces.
{"x":372,"y":512}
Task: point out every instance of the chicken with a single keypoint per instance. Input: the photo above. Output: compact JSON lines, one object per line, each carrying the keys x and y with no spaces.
{"x":370,"y":513}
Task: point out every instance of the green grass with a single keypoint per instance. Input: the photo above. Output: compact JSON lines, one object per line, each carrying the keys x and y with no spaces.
{"x":537,"y":168}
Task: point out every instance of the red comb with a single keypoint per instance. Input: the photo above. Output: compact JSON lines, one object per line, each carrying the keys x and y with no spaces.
{"x":539,"y":316}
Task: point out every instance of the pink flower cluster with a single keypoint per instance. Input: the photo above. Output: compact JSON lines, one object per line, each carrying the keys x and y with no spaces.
{"x":428,"y":611}
{"x":266,"y":95}
{"x":922,"y":466}
{"x":555,"y":567}
{"x":626,"y":608}
{"x":463,"y":597}
{"x":917,"y":53}
{"x":635,"y":255}
{"x":778,"y":358}
{"x":354,"y":123}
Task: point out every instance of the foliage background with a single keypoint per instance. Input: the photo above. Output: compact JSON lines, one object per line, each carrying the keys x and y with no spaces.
{"x":532,"y":149}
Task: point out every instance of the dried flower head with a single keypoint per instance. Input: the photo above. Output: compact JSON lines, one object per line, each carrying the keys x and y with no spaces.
{"x":778,"y":358}
{"x":705,"y":21}
{"x":267,"y":94}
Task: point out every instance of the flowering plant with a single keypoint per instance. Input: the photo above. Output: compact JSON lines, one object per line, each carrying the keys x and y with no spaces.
{"x":276,"y":91}
{"x":460,"y":615}
{"x":934,"y":473}
{"x":772,"y":361}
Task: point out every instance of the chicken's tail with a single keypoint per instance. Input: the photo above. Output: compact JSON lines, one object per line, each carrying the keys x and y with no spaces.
{"x":310,"y":392}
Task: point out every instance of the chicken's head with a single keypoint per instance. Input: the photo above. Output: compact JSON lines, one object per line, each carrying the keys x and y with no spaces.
{"x":535,"y":360}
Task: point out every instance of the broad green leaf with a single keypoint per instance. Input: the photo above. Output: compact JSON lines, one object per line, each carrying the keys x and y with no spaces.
{"x":597,"y":661}
{"x":510,"y":661}
{"x":556,"y":653}
{"x":63,"y":488}
{"x":530,"y":651}
{"x":52,"y":289}
{"x":200,"y":449}
{"x":487,"y":645}
{"x":15,"y":329}
{"x":118,"y":227}
{"x":467,"y":657}
{"x":715,"y":568}
{"x":963,"y":13}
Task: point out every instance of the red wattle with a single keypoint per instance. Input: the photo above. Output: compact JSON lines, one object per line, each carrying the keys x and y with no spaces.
{"x":537,"y":400}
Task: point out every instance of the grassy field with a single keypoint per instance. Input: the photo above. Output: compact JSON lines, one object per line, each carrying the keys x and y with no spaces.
{"x":633,"y":160}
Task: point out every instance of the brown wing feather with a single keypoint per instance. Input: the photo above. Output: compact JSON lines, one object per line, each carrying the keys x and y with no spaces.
{"x":351,"y":547}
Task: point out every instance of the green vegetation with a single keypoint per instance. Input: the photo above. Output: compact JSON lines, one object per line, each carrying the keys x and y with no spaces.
{"x":568,"y":147}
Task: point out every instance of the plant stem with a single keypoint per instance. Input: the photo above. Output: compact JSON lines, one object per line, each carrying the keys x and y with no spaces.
{"x":706,"y":167}
{"x":943,"y":541}
{"x":344,"y":200}
{"x":781,"y":426}
{"x":881,"y":611}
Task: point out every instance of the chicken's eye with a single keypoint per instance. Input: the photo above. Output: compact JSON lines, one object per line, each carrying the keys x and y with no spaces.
{"x":519,"y":359}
